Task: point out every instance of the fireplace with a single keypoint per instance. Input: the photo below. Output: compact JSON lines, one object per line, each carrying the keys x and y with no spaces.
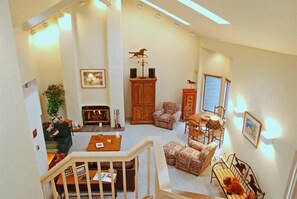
{"x":95,"y":115}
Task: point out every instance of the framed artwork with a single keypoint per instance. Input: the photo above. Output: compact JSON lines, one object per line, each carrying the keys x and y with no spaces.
{"x":80,"y":170}
{"x":92,"y":78}
{"x":251,"y":128}
{"x":68,"y":171}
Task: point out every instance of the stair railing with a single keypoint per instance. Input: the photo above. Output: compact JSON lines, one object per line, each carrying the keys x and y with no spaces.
{"x":161,"y":182}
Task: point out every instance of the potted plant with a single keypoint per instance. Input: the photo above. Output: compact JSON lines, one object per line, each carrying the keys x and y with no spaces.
{"x":55,"y":100}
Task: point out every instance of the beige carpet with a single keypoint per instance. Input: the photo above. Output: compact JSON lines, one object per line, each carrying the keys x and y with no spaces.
{"x":180,"y":180}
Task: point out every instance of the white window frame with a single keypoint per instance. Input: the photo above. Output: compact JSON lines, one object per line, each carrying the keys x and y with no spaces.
{"x":203,"y":93}
{"x":227,"y":81}
{"x":223,"y":89}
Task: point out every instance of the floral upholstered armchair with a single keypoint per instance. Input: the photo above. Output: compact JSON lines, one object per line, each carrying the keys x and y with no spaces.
{"x":168,"y":115}
{"x":195,"y":158}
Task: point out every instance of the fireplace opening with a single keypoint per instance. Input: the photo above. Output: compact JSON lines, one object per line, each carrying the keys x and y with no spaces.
{"x":93,"y":115}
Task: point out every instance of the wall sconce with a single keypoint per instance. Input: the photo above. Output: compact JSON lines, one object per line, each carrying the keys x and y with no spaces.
{"x":238,"y":113}
{"x":266,"y":138}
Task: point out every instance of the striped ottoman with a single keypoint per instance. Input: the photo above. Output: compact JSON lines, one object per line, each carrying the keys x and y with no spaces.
{"x":170,"y":150}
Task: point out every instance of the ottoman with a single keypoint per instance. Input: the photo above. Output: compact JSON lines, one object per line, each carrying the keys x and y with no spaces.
{"x":170,"y":149}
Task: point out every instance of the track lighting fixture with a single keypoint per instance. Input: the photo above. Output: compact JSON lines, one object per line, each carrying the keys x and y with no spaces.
{"x":32,"y":32}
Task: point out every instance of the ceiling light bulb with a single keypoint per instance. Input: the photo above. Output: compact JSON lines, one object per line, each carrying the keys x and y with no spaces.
{"x":177,"y":26}
{"x":140,"y":6}
{"x":82,"y":3}
{"x":61,"y":15}
{"x":193,"y":34}
{"x":157,"y":15}
{"x":45,"y":24}
{"x":32,"y":32}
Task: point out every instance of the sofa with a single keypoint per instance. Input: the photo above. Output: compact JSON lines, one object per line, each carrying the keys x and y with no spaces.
{"x":58,"y":138}
{"x":130,"y":173}
{"x":194,"y":158}
{"x":168,"y":115}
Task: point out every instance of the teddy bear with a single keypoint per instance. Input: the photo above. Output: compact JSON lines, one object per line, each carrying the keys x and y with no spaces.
{"x":233,"y":186}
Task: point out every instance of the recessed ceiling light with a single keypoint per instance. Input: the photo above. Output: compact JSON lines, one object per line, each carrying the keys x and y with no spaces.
{"x":204,"y":11}
{"x":157,"y":15}
{"x":165,"y":12}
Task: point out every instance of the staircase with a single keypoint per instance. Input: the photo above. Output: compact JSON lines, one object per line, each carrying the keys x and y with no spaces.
{"x":162,"y":185}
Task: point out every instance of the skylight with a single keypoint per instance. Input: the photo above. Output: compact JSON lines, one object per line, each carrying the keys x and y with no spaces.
{"x":165,"y":12}
{"x":204,"y":12}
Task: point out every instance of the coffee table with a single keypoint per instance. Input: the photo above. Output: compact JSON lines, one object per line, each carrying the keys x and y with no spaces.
{"x":110,"y":142}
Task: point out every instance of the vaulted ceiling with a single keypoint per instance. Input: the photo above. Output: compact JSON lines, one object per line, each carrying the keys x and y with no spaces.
{"x":265,"y":24}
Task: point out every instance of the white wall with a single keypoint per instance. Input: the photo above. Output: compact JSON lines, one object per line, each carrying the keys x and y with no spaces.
{"x":33,"y":111}
{"x":172,"y":52}
{"x":45,"y":55}
{"x":212,"y":63}
{"x":266,"y":82}
{"x":92,"y":48}
{"x":28,"y":68}
{"x":19,"y":175}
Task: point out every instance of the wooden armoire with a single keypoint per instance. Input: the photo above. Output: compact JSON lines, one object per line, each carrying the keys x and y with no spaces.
{"x":143,"y":97}
{"x":189,"y":101}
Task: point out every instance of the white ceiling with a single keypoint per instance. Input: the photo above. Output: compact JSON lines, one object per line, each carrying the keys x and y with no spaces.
{"x":265,"y":24}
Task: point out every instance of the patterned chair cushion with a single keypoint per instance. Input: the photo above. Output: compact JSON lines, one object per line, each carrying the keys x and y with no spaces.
{"x":196,"y":145}
{"x":168,"y":115}
{"x":171,"y":107}
{"x":170,"y":150}
{"x":164,"y":118}
{"x":194,"y":161}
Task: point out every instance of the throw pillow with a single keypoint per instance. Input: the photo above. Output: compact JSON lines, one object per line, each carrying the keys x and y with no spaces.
{"x":196,"y":145}
{"x":56,"y":119}
{"x":51,"y":130}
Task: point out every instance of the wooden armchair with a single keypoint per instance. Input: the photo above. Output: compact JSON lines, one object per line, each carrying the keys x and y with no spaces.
{"x":219,"y":111}
{"x":195,"y":132}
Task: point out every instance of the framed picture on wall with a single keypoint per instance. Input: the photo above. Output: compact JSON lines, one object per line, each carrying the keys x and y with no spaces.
{"x":251,"y":128}
{"x":92,"y":78}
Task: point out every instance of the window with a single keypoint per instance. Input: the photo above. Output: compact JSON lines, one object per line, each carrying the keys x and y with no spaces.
{"x":212,"y":91}
{"x":227,"y":93}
